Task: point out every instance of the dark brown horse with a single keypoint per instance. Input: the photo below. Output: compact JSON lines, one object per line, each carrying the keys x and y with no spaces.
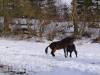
{"x":63,"y":44}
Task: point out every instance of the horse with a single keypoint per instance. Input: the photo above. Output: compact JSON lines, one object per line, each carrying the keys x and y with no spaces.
{"x":62,"y":44}
{"x":70,"y":49}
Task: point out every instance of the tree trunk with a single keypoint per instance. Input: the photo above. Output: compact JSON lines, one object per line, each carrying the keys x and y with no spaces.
{"x":75,"y":17}
{"x":6,"y":25}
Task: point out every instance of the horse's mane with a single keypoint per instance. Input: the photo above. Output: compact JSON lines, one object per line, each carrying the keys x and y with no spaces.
{"x":68,"y":39}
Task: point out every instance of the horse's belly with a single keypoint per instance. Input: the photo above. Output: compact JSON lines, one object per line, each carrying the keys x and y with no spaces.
{"x":59,"y":47}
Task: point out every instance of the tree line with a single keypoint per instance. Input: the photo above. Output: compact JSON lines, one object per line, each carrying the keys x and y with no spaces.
{"x":46,"y":10}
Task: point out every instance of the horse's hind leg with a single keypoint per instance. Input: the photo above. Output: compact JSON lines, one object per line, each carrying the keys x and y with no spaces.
{"x":52,"y":53}
{"x":65,"y":52}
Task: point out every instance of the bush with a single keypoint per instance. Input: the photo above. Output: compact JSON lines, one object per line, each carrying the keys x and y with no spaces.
{"x":86,"y":34}
{"x":96,"y":40}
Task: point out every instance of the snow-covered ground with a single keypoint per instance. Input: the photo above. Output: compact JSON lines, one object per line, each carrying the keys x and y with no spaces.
{"x":29,"y":58}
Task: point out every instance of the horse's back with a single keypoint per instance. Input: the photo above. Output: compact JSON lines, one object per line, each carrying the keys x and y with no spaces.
{"x":62,"y":43}
{"x":56,"y":45}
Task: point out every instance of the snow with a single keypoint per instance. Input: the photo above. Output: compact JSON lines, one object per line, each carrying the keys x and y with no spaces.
{"x":67,"y":1}
{"x":29,"y":58}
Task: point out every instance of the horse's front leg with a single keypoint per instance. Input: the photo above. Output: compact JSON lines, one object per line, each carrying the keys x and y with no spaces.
{"x":75,"y":52}
{"x":70,"y":54}
{"x":65,"y":52}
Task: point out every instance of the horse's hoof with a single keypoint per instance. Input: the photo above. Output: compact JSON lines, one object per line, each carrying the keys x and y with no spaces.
{"x":53,"y":55}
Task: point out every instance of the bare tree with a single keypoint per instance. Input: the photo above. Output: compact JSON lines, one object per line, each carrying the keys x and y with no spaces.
{"x":75,"y":17}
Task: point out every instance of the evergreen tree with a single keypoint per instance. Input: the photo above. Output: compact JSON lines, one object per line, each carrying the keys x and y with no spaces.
{"x":83,"y":4}
{"x":87,"y":3}
{"x":51,"y":9}
{"x":1,"y":7}
{"x":66,"y":12}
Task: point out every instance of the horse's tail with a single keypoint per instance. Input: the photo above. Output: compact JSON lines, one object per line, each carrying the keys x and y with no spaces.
{"x":46,"y":50}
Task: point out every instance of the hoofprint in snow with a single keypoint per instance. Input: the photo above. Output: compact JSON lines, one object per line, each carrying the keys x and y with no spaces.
{"x":29,"y":58}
